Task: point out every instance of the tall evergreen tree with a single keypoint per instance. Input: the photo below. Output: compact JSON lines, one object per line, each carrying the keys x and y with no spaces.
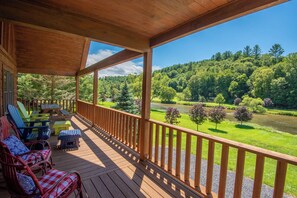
{"x":276,"y":51}
{"x":247,"y":51}
{"x":125,"y":101}
{"x":257,"y":51}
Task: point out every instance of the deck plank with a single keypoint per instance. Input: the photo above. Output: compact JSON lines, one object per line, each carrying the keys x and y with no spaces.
{"x":112,"y":187}
{"x":101,"y":188}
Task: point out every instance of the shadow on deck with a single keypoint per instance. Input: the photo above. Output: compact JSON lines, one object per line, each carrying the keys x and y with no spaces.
{"x":111,"y":169}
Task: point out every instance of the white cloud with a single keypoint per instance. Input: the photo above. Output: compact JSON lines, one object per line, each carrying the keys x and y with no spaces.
{"x":122,"y":69}
{"x":100,"y":55}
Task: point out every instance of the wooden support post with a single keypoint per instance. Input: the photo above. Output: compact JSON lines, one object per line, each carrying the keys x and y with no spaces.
{"x":77,"y":92}
{"x":95,"y":95}
{"x":145,"y":111}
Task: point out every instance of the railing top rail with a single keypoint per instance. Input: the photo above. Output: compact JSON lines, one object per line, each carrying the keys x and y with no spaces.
{"x":122,"y":112}
{"x":107,"y":108}
{"x":85,"y":102}
{"x":253,"y":149}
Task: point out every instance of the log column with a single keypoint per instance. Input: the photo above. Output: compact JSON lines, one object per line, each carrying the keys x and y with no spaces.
{"x":95,"y":94}
{"x":77,"y":91}
{"x":146,"y":106}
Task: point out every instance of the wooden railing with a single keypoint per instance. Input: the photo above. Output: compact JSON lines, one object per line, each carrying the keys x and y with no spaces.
{"x":34,"y":104}
{"x":121,"y":125}
{"x":164,"y":139}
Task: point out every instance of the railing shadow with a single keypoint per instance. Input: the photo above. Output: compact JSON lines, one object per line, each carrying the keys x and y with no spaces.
{"x":160,"y":178}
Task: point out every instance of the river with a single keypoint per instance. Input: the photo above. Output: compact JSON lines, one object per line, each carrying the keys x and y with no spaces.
{"x":278,"y":122}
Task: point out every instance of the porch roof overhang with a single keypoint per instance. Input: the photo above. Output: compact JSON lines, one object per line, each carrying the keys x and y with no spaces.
{"x":53,"y":36}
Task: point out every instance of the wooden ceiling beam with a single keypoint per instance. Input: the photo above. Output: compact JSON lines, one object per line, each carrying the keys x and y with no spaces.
{"x":229,"y":11}
{"x":118,"y":58}
{"x":39,"y":16}
{"x":85,"y":53}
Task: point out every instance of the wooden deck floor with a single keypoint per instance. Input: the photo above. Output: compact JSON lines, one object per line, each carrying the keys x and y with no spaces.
{"x":110,"y":169}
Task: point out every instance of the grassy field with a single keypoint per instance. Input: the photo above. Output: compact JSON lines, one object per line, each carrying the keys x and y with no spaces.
{"x":250,"y":134}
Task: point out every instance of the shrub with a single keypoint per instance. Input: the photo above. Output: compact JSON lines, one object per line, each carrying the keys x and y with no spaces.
{"x":219,"y":99}
{"x":242,"y":114}
{"x":202,"y":99}
{"x":198,"y":114}
{"x":237,"y":101}
{"x":217,"y":115}
{"x":267,"y":102}
{"x":256,"y":104}
{"x":172,"y":115}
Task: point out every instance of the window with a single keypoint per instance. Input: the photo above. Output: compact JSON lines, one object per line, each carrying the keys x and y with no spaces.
{"x":8,"y":89}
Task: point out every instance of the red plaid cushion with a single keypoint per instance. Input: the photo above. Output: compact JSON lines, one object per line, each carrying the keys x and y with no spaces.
{"x":50,"y":179}
{"x":33,"y":158}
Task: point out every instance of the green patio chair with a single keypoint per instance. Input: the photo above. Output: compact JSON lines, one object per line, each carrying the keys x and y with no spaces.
{"x":34,"y":116}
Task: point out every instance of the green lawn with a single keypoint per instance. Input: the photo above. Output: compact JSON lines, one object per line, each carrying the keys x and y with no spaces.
{"x":250,"y":134}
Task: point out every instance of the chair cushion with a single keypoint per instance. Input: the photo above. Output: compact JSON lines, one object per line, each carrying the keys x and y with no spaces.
{"x":26,"y":183}
{"x":33,"y":158}
{"x":15,"y":146}
{"x":51,"y":177}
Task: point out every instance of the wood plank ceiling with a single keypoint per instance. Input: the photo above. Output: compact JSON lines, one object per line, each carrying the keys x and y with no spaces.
{"x":135,"y":25}
{"x":46,"y":52}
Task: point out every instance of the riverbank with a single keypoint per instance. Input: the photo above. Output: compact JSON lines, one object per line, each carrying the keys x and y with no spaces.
{"x":274,"y":111}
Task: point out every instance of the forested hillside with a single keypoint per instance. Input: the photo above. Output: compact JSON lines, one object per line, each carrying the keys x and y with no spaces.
{"x":246,"y":72}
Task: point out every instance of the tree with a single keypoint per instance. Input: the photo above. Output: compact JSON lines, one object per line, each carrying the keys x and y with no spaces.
{"x":256,"y":104}
{"x":267,"y":102}
{"x":261,"y":81}
{"x":237,"y":101}
{"x":239,"y":87}
{"x":172,"y":115}
{"x":276,"y":51}
{"x":187,"y":94}
{"x":167,"y":94}
{"x":217,"y":115}
{"x":125,"y":100}
{"x":219,"y":99}
{"x":226,"y":55}
{"x":256,"y":51}
{"x":247,"y":51}
{"x":198,"y":114}
{"x":242,"y":114}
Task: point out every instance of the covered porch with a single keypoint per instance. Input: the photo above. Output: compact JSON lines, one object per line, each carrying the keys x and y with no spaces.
{"x":125,"y":155}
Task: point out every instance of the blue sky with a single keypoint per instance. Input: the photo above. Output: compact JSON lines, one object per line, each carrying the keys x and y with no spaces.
{"x":267,"y":27}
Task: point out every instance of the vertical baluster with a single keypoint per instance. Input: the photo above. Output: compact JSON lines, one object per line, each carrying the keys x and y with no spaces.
{"x":223,"y":170}
{"x":127,"y":129}
{"x":198,"y":162}
{"x":151,"y":141}
{"x":116,"y":121}
{"x":210,"y":161}
{"x":131,"y":131}
{"x":134,"y":134}
{"x":280,"y":178}
{"x":239,"y":173}
{"x":170,"y":150}
{"x":157,"y":141}
{"x":123,"y":128}
{"x":138,"y":131}
{"x":188,"y":158}
{"x":258,"y":176}
{"x":178,"y":153}
{"x":163,"y":147}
